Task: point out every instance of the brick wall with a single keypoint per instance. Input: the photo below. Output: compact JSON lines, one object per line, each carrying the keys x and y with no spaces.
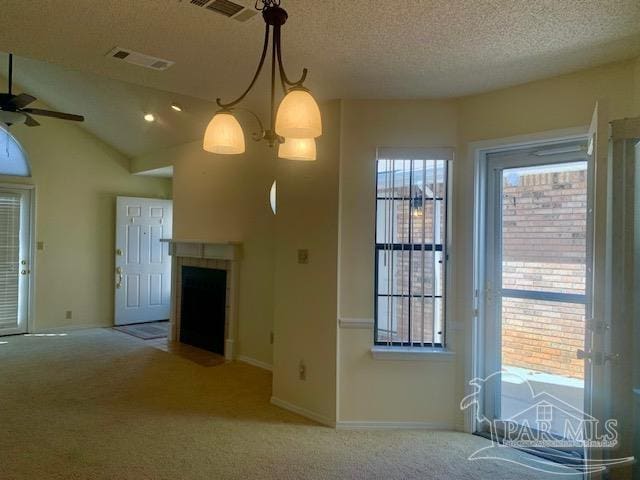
{"x":544,"y":248}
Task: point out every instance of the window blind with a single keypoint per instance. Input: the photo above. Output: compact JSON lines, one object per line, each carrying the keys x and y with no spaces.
{"x":9,"y":257}
{"x":411,"y":229}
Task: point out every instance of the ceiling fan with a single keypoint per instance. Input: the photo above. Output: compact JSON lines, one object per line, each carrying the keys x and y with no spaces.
{"x":13,"y":107}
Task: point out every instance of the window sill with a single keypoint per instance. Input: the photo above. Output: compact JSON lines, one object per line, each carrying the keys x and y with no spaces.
{"x":380,"y":352}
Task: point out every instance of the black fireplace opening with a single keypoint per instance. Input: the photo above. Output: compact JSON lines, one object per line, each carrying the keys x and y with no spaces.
{"x":203,"y":308}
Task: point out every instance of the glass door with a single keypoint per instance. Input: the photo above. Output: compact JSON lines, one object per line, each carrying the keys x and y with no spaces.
{"x":538,"y":288}
{"x":15,"y":259}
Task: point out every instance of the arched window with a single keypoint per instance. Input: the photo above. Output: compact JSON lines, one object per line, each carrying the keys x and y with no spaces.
{"x":13,"y":159}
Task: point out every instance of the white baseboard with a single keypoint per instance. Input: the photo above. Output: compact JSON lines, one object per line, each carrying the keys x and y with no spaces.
{"x":67,"y":328}
{"x":254,"y":362}
{"x":303,"y":412}
{"x":377,"y":425}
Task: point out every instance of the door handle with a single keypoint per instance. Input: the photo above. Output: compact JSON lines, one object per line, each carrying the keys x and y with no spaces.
{"x":581,"y":354}
{"x":119,"y":273}
{"x":598,"y":358}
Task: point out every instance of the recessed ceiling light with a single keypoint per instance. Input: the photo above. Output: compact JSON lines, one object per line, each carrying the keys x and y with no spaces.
{"x":176,"y":107}
{"x":149,"y":117}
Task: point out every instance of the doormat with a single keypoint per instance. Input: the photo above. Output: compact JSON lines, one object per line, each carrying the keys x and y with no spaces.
{"x":146,"y":331}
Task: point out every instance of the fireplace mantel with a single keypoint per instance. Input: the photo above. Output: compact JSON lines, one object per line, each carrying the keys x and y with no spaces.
{"x":203,"y":249}
{"x":204,"y":254}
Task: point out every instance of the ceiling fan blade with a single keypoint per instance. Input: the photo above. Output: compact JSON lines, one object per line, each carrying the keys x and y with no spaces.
{"x":51,"y":113}
{"x":30,"y":121}
{"x":22,"y":100}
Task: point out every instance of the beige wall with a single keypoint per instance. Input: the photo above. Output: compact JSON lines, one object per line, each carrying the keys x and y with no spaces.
{"x":431,"y":389}
{"x":327,"y":207}
{"x":369,"y":390}
{"x":226,"y":199}
{"x":306,"y":294}
{"x":77,"y":179}
{"x":556,"y":103}
{"x":636,"y":87}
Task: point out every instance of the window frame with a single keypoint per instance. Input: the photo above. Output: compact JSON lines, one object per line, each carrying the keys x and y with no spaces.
{"x":411,"y":345}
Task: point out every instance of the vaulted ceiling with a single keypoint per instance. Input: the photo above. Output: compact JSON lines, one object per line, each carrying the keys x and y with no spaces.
{"x":353,"y":48}
{"x":113,"y":109}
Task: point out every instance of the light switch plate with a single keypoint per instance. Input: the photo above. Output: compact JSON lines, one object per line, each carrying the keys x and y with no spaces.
{"x":303,"y":256}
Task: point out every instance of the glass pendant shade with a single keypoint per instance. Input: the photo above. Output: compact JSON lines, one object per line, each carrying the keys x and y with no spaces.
{"x":224,"y":135}
{"x":298,"y":116}
{"x":298,"y":149}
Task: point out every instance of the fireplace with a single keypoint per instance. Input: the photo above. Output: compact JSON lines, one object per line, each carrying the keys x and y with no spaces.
{"x":204,"y":294}
{"x":203,"y":308}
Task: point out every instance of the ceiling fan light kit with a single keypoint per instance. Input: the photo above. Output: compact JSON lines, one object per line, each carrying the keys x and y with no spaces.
{"x":297,"y":118}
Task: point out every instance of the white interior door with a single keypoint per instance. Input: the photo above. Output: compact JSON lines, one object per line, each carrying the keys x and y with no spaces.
{"x":15,"y":258}
{"x":143,"y":265}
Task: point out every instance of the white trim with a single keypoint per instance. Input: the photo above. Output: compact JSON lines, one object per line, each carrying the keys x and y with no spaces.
{"x":380,"y":352}
{"x":228,"y":349}
{"x":303,"y":412}
{"x":477,"y":152}
{"x":254,"y":362}
{"x":70,"y":328}
{"x":422,"y":153}
{"x":357,"y":323}
{"x":384,"y":425}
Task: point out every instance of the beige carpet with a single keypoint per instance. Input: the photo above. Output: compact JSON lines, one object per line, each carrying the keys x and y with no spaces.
{"x":99,"y":404}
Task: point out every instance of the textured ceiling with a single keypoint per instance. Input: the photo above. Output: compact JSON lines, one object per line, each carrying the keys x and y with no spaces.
{"x":354,"y":48}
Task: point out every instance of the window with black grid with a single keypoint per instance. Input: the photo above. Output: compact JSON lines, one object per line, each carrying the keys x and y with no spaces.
{"x":411,"y":253}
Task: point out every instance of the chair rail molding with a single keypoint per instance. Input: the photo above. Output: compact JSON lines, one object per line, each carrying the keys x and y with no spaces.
{"x":356,"y":323}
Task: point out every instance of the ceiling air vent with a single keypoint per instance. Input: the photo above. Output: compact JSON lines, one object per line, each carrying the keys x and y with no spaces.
{"x":140,"y":59}
{"x":225,"y":7}
{"x":240,"y":10}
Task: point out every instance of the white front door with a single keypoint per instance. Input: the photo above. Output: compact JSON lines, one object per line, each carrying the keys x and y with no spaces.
{"x":143,"y":265}
{"x":15,"y":258}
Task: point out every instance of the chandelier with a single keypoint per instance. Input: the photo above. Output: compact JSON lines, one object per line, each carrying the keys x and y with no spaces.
{"x":297,"y":122}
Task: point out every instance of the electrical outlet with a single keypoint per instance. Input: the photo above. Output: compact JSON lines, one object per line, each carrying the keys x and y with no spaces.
{"x":68,"y":315}
{"x":40,"y":245}
{"x":302,"y":371}
{"x":303,"y":256}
